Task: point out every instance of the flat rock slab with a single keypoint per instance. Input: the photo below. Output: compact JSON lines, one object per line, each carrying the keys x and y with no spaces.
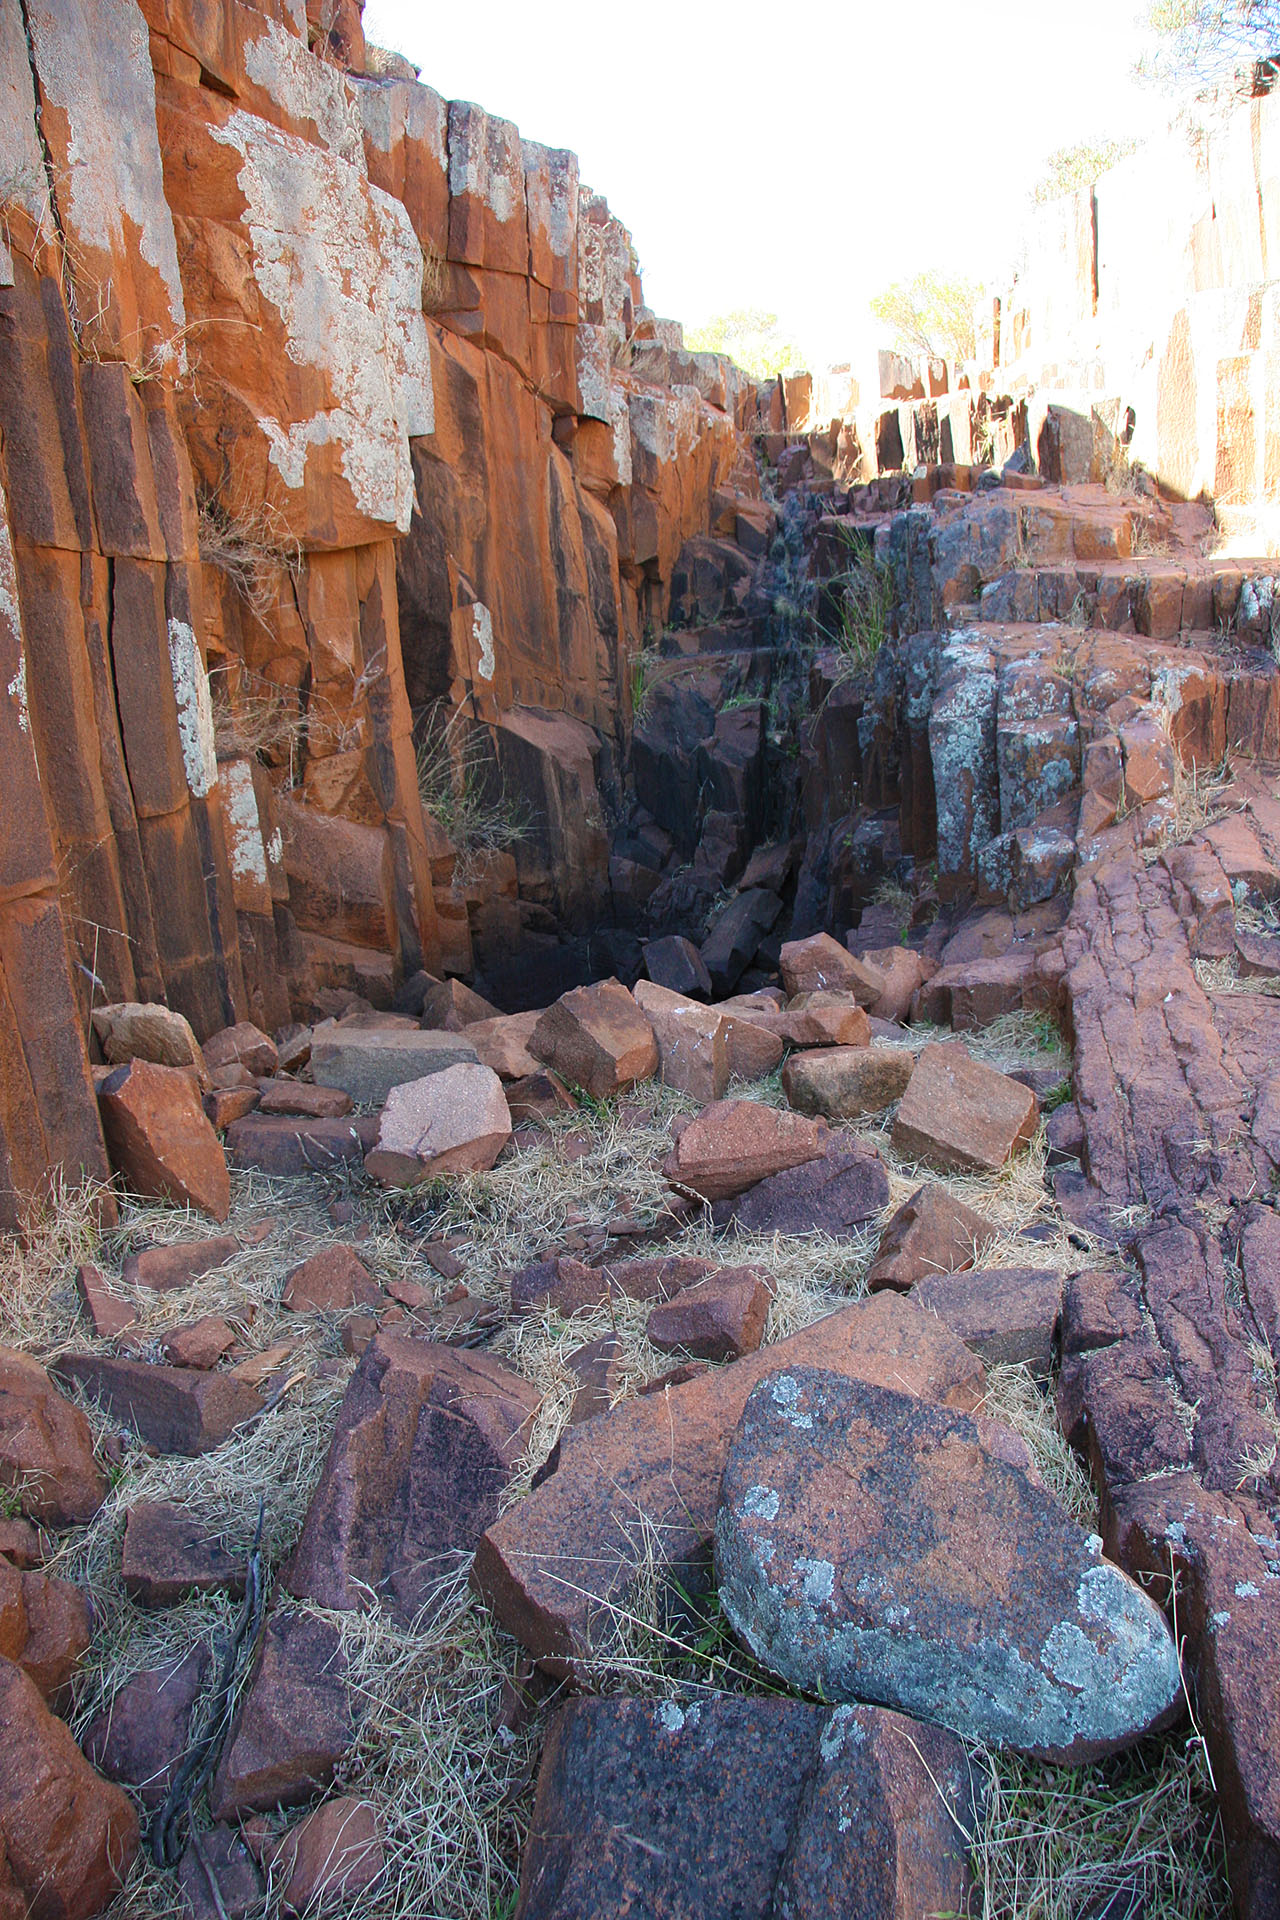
{"x":140,"y":1738}
{"x":843,"y":1083}
{"x":160,"y":1139}
{"x":1008,"y":1315}
{"x":649,"y":1472}
{"x":835,"y":1194}
{"x":457,"y":1121}
{"x":719,"y":1318}
{"x":366,"y":1062}
{"x":567,"y":1286}
{"x":279,"y":1143}
{"x":503,"y":1044}
{"x":333,"y":1280}
{"x":426,"y":1440}
{"x":174,"y":1409}
{"x":163,"y":1268}
{"x":962,"y":1116}
{"x":932,"y":1232}
{"x":295,"y":1723}
{"x":295,"y":1096}
{"x":243,"y":1045}
{"x":740,"y":1808}
{"x":872,"y":1547}
{"x":597,"y":1038}
{"x":735,"y":1143}
{"x":167,"y":1554}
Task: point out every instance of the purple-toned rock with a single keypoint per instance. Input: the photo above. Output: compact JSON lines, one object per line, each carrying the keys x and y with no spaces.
{"x":835,"y":1194}
{"x":295,"y":1724}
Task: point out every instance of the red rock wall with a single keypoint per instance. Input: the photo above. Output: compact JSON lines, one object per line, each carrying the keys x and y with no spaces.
{"x":321,"y":399}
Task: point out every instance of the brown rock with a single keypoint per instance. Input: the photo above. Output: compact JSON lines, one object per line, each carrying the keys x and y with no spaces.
{"x":565,"y":1286}
{"x":820,"y":964}
{"x":222,"y":1856}
{"x":368,"y":1061}
{"x":108,"y":1316}
{"x":160,"y":1139}
{"x":903,"y":972}
{"x":44,"y":1627}
{"x":331,"y":1856}
{"x":841,"y":1503}
{"x":597,"y":1038}
{"x":457,"y":1121}
{"x":1008,"y":1315}
{"x":753,"y":1052}
{"x":332,"y":1281}
{"x":177,"y":1266}
{"x":539,"y":1096}
{"x":202,"y":1344}
{"x":46,"y":1447}
{"x":174,"y":1409}
{"x":649,"y":1471}
{"x":146,"y":1030}
{"x":598,"y":1366}
{"x":836,"y":1194}
{"x":961,"y":1115}
{"x":140,"y":1738}
{"x":278,"y":1144}
{"x":731,"y":1145}
{"x":295,"y":1724}
{"x":21,"y":1544}
{"x":737,"y":1808}
{"x":232,"y":1079}
{"x":503,"y":1044}
{"x":843,"y":1083}
{"x":243,"y":1045}
{"x":675,"y":963}
{"x":69,"y":1837}
{"x":425,"y":1442}
{"x":450,"y":1005}
{"x":819,"y":1019}
{"x":693,"y":1050}
{"x":932,"y":1232}
{"x":225,"y":1105}
{"x":720,"y":1318}
{"x":296,"y":1096}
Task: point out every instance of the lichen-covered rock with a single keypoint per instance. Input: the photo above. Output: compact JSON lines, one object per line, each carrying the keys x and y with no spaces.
{"x":457,"y":1121}
{"x":873,"y":1547}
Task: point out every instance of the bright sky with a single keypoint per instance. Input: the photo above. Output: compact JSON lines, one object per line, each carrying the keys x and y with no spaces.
{"x":795,"y":158}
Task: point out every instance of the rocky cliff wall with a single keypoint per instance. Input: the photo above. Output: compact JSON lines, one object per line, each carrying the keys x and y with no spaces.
{"x":324,"y":402}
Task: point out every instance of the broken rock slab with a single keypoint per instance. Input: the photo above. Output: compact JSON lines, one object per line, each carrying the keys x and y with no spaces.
{"x":597,"y":1038}
{"x":719,"y":1318}
{"x":334,"y":1280}
{"x":932,"y":1232}
{"x":734,"y":1143}
{"x":44,"y":1627}
{"x":174,"y":1409}
{"x":163,"y":1268}
{"x":741,"y":1808}
{"x":46,"y":1446}
{"x":1008,"y":1315}
{"x":160,"y":1138}
{"x":331,"y":1856}
{"x":296,"y":1096}
{"x":503,"y":1044}
{"x":457,"y":1121}
{"x":675,"y":963}
{"x":557,"y":1564}
{"x":168,"y":1553}
{"x":836,"y":1194}
{"x":941,"y":1579}
{"x":366,"y":1062}
{"x":693,"y":1042}
{"x":844,"y":1083}
{"x":821,"y":965}
{"x":962,"y":1116}
{"x":425,"y":1442}
{"x":295,"y":1724}
{"x":243,"y":1045}
{"x":291,"y":1146}
{"x":147,"y":1030}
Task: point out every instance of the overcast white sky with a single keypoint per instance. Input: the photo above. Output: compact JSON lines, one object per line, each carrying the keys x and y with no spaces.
{"x":796,"y":157}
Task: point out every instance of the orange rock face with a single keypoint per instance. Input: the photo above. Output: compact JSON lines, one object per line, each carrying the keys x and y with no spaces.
{"x":161,"y":1140}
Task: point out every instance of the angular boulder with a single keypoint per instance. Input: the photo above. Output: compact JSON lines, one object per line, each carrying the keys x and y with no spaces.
{"x":168,"y":1553}
{"x":283,"y":1144}
{"x":457,"y":1121}
{"x":597,"y":1038}
{"x":201,"y":1344}
{"x":734,"y":1143}
{"x":819,"y":1019}
{"x":1008,"y":1315}
{"x":243,"y":1045}
{"x":872,"y":1547}
{"x":141,"y":1737}
{"x":503,"y":1044}
{"x":331,"y":1856}
{"x":160,"y":1139}
{"x":821,"y":965}
{"x":719,"y":1318}
{"x":693,"y":1049}
{"x":452,"y":1006}
{"x":558,"y":1564}
{"x":961,"y":1115}
{"x":932,"y":1232}
{"x":174,"y":1409}
{"x":163,"y":1268}
{"x":296,"y":1096}
{"x":836,"y":1194}
{"x":44,"y":1627}
{"x":843,"y":1083}
{"x":734,"y":939}
{"x":147,"y":1030}
{"x":295,"y":1724}
{"x":675,"y":963}
{"x":367,"y":1062}
{"x":46,"y":1446}
{"x":425,"y":1442}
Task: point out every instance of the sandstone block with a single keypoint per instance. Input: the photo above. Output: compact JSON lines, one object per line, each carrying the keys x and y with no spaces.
{"x":174,"y":1409}
{"x":903,"y":972}
{"x":1008,"y":1315}
{"x":160,"y":1139}
{"x":295,"y":1724}
{"x":330,"y":1857}
{"x":731,"y":1145}
{"x":46,"y":1446}
{"x":140,"y":1738}
{"x":146,"y":1030}
{"x":178,"y":1265}
{"x":168,"y":1553}
{"x":693,"y":1052}
{"x":836,"y":1194}
{"x":201,"y":1344}
{"x":597,"y":1038}
{"x":332,"y":1281}
{"x":843,"y":1083}
{"x":451,"y":1005}
{"x":44,"y":1627}
{"x":932,"y":1232}
{"x":675,"y":963}
{"x":456,"y":1121}
{"x":243,"y":1045}
{"x":108,"y":1316}
{"x":503,"y":1044}
{"x":821,"y":965}
{"x":295,"y":1096}
{"x":961,"y":1115}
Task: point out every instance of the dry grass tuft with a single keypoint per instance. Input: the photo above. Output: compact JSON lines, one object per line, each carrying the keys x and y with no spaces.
{"x":252,"y":546}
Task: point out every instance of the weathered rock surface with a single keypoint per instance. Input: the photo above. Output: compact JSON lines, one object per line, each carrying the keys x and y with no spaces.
{"x":168,"y":1553}
{"x":960,"y":1115}
{"x":567,"y":1286}
{"x":735,"y":1808}
{"x":597,"y":1038}
{"x":331,"y":1281}
{"x":242,"y":1045}
{"x":425,"y":1442}
{"x":1008,"y":1315}
{"x":44,"y":1627}
{"x":46,"y":1446}
{"x":367,"y":1062}
{"x":281,"y":1144}
{"x":837,"y":1193}
{"x":649,"y":1471}
{"x":675,"y":963}
{"x":296,"y":1721}
{"x":132,"y":1030}
{"x":820,"y":964}
{"x":69,"y":1837}
{"x":503,"y":1044}
{"x":160,"y":1139}
{"x":295,"y":1096}
{"x":139,"y":1739}
{"x":220,"y":1856}
{"x":456,"y":1121}
{"x":201,"y":1343}
{"x":174,"y":1409}
{"x":843,"y":1083}
{"x":719,"y":1318}
{"x":330,"y":1857}
{"x":107,"y":1314}
{"x":452,"y":1005}
{"x":693,"y":1042}
{"x":178,"y":1265}
{"x":873,"y":1546}
{"x":932,"y":1232}
{"x":734,"y":1143}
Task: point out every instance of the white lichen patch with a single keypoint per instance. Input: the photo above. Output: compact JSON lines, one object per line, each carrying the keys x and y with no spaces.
{"x":485,"y":159}
{"x":759,"y":1503}
{"x":482,"y":639}
{"x":305,"y":88}
{"x":247,"y":854}
{"x":195,"y":708}
{"x":11,"y":616}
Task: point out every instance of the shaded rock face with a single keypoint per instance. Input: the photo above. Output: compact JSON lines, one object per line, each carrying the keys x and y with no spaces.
{"x":875,"y":1547}
{"x":426,"y":1439}
{"x":736,"y":1808}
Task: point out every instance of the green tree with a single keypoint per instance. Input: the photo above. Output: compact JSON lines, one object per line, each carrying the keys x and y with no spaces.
{"x":930,"y":313}
{"x":1071,"y":169}
{"x":1211,"y":46}
{"x":753,"y":339}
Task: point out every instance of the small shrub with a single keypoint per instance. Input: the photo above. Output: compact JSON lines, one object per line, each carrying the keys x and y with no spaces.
{"x":461,"y":789}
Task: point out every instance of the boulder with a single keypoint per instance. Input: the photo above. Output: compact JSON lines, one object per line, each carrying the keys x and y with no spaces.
{"x":46,"y":1447}
{"x":932,"y":1232}
{"x":872,"y":1547}
{"x":1008,"y":1315}
{"x":225,"y":1105}
{"x":733,"y":941}
{"x":836,"y":1194}
{"x":21,"y":1543}
{"x":108,"y":1315}
{"x":818,"y":1019}
{"x":566,"y":1286}
{"x":283,"y":1145}
{"x":331,"y":1281}
{"x":160,"y":1139}
{"x":200,"y":1344}
{"x":425,"y":1442}
{"x":295,"y":1723}
{"x":597,"y":1038}
{"x":44,"y":1627}
{"x":843,"y":1083}
{"x":146,"y":1030}
{"x":68,"y":1836}
{"x":719,"y":1318}
{"x":753,"y":1052}
{"x":367,"y":1062}
{"x":330,"y":1857}
{"x":140,"y":1738}
{"x":162,"y":1268}
{"x":452,"y":1006}
{"x":169,"y":1553}
{"x":693,"y":1050}
{"x":962,"y":1116}
{"x":457,"y":1121}
{"x":904,"y":972}
{"x":503,"y":1044}
{"x":243,"y":1045}
{"x":297,"y":1096}
{"x":821,"y":965}
{"x":556,"y":1562}
{"x":675,"y":963}
{"x":735,"y":1807}
{"x":174,"y":1409}
{"x":734,"y":1143}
